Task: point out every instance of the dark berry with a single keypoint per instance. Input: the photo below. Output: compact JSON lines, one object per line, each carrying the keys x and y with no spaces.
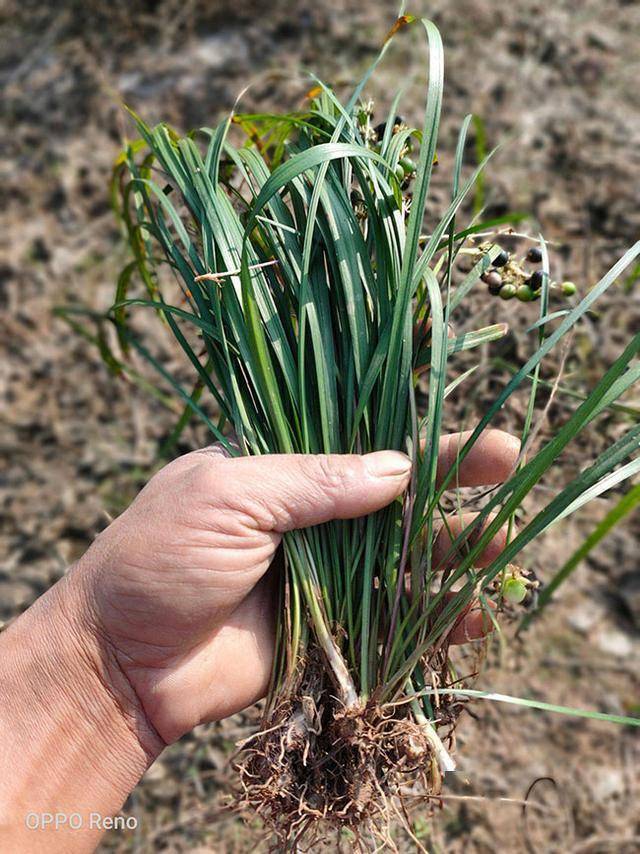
{"x":501,"y":259}
{"x":380,"y":129}
{"x":492,"y":278}
{"x":535,"y":280}
{"x":534,"y":255}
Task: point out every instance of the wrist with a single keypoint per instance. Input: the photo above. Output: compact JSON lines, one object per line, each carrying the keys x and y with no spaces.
{"x":74,"y":737}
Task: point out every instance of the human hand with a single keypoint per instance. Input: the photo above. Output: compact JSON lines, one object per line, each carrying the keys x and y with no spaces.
{"x":168,"y":621}
{"x":178,"y":586}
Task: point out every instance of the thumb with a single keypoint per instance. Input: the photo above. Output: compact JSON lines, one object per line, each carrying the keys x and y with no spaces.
{"x":286,"y":491}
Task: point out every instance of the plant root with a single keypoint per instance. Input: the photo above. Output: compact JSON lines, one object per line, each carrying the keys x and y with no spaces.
{"x":317,"y":766}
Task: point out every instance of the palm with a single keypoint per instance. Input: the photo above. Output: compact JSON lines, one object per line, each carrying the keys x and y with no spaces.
{"x":193,"y":623}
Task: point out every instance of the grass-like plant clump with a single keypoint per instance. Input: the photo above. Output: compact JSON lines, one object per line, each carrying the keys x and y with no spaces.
{"x":313,"y":309}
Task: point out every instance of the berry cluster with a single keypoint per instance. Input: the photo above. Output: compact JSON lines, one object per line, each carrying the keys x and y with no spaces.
{"x":508,"y":278}
{"x":405,"y":169}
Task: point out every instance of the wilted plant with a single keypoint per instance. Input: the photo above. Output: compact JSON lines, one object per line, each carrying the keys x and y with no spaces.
{"x":319,"y":309}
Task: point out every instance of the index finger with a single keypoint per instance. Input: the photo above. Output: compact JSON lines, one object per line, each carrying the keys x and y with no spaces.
{"x":491,"y":460}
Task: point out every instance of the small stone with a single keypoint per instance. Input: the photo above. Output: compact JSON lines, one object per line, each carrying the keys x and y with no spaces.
{"x":157,"y":771}
{"x":607,"y":783}
{"x":614,"y":642}
{"x":602,"y":37}
{"x":586,"y":615}
{"x":220,"y":50}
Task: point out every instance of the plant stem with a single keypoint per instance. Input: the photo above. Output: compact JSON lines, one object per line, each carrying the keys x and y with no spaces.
{"x":445,"y":760}
{"x":304,"y":574}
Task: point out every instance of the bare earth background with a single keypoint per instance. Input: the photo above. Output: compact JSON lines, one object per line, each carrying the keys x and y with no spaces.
{"x":559,"y":82}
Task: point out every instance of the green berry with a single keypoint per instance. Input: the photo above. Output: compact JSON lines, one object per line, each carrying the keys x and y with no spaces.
{"x":408,"y":165}
{"x":524,"y":293}
{"x":501,"y":259}
{"x":568,"y":289}
{"x":508,"y":291}
{"x":514,"y":590}
{"x":400,"y":175}
{"x":534,"y":255}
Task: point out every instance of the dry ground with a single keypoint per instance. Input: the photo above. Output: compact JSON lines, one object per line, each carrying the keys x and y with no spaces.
{"x":559,"y":81}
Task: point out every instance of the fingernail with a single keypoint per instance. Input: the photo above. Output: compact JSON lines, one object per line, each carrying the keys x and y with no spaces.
{"x":387,"y":464}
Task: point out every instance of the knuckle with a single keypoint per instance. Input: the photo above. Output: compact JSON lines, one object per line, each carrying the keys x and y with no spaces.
{"x":201,"y":480}
{"x":330,"y":476}
{"x":208,"y":470}
{"x":259,"y":512}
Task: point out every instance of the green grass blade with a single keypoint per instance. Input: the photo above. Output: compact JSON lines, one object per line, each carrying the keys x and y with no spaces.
{"x":627,"y":504}
{"x":608,"y":482}
{"x":537,"y":704}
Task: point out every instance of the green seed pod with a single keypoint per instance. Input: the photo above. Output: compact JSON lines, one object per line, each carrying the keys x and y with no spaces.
{"x":524,"y":293}
{"x":400,"y":175}
{"x":514,"y":590}
{"x":534,"y":255}
{"x":568,"y":289}
{"x":508,"y":291}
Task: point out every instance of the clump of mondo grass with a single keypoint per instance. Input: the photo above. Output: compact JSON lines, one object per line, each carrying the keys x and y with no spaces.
{"x":293,"y":271}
